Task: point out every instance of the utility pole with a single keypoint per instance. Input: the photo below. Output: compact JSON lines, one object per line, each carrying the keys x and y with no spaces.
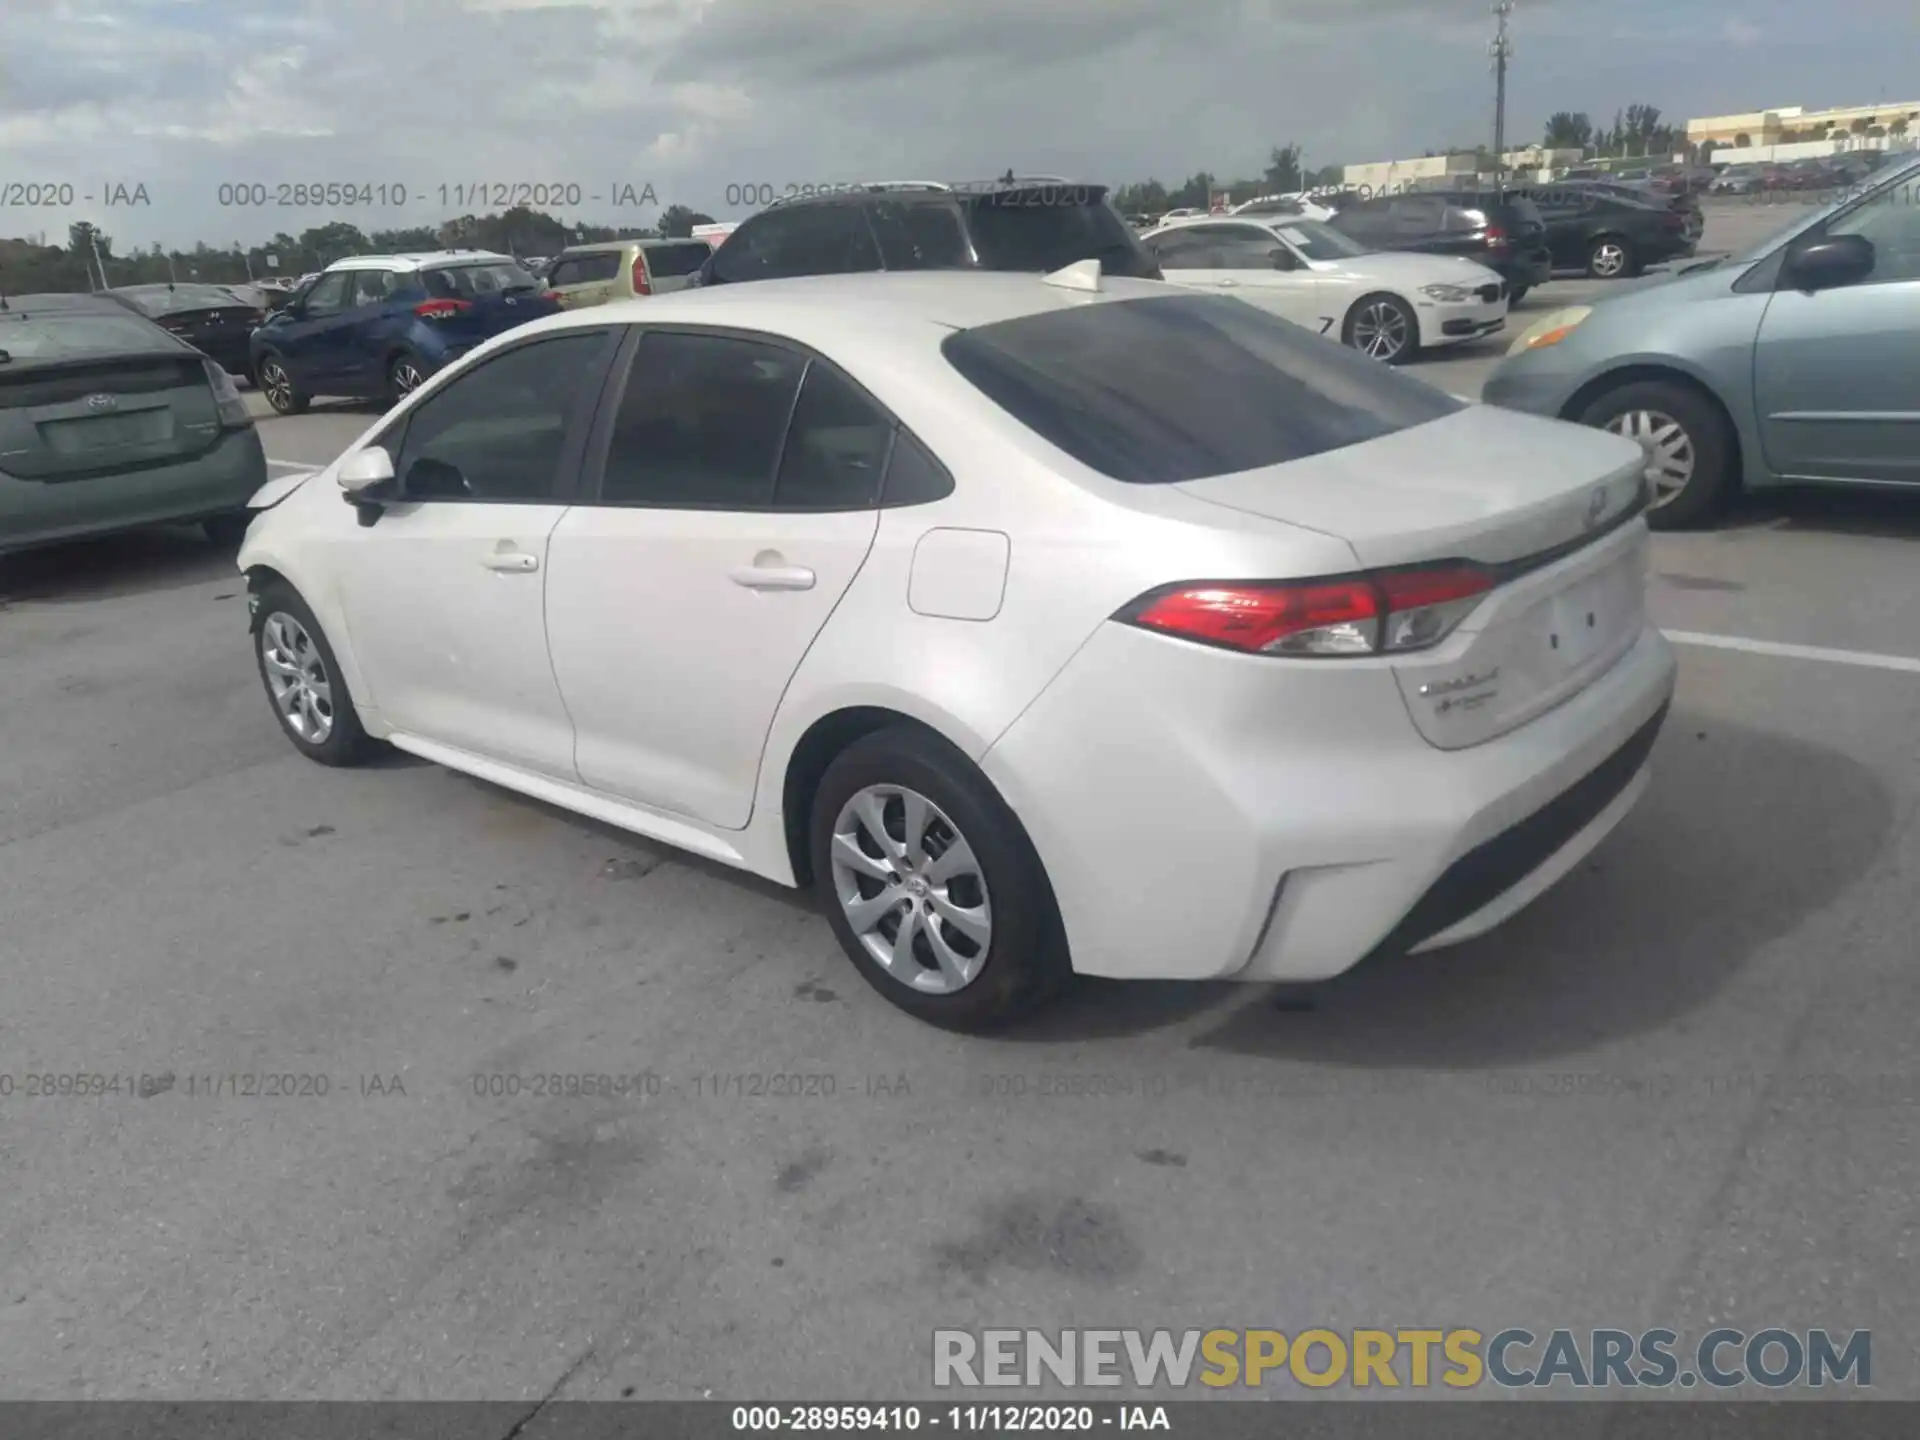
{"x":1502,"y":50}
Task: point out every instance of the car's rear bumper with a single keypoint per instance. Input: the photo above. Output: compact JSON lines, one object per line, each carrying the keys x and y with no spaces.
{"x":221,"y":481}
{"x":1210,"y":836}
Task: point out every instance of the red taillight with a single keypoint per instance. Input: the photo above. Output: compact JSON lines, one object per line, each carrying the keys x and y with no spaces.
{"x":552,"y":297}
{"x":640,"y":285}
{"x":1496,"y":237}
{"x":1389,"y":611}
{"x":1675,"y":220}
{"x":442,"y":309}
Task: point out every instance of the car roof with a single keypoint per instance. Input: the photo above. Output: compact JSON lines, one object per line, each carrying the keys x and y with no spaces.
{"x":644,"y":242}
{"x":861,"y":192}
{"x":418,"y":260}
{"x":1264,"y":222}
{"x":823,"y":309}
{"x":63,"y":300}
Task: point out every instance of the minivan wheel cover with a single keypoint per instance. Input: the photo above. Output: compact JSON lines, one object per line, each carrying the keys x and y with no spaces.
{"x":1609,"y":259}
{"x":911,"y":889}
{"x":1380,"y":330}
{"x":274,"y":381}
{"x":1667,"y":446}
{"x":297,"y":676}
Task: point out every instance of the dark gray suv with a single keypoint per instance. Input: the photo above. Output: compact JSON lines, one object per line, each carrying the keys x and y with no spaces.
{"x":1012,"y":224}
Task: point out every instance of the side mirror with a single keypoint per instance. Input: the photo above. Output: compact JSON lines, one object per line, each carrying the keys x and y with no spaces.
{"x":1830,"y":262}
{"x":1281,"y":257}
{"x":362,"y":476}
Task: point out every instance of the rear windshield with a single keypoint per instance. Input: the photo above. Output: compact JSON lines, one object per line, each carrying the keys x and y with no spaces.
{"x":667,"y":262}
{"x":480,"y":277}
{"x":56,"y":336}
{"x":183,"y":297}
{"x":1155,"y":392}
{"x":1051,"y":227}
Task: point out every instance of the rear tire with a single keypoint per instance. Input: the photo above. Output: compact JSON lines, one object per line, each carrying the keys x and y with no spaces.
{"x":227,"y":531}
{"x":277,"y":384}
{"x":405,"y":374}
{"x":1383,"y":327}
{"x":303,"y":682}
{"x":1516,"y":295}
{"x":1690,"y":448}
{"x":1612,"y":258}
{"x":984,"y":943}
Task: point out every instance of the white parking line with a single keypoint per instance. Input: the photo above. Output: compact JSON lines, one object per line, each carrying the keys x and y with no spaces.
{"x":1795,"y":652}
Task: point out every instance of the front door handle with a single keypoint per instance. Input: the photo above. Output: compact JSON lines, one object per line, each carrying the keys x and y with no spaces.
{"x":513,"y":562}
{"x":770,"y":572}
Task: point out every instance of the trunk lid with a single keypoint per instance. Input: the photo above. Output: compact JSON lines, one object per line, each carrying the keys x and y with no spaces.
{"x":1552,"y":508}
{"x":78,"y":419}
{"x":1484,"y":484}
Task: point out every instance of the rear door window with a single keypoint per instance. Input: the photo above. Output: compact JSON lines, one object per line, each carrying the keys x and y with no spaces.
{"x":1047,"y":228}
{"x":919,"y":236}
{"x":669,"y":262}
{"x":804,"y":240}
{"x":1160,"y":391}
{"x":1182,"y":249}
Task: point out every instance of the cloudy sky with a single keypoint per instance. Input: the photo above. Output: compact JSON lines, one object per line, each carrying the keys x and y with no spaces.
{"x":692,"y":97}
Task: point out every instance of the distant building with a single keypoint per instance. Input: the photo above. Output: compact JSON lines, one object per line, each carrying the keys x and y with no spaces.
{"x":1793,"y":124}
{"x":1438,"y":171}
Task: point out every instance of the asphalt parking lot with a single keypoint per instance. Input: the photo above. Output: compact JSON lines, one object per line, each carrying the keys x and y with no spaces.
{"x":1680,"y":1090}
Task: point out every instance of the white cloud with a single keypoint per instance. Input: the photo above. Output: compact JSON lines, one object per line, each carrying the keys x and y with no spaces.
{"x":695,"y":96}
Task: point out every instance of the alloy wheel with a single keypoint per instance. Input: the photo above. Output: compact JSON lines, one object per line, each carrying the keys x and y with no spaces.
{"x":406,"y":379}
{"x":1667,"y":446}
{"x":1380,"y":330}
{"x":273,"y":380}
{"x":911,"y":889}
{"x":297,"y":676}
{"x":1609,"y":259}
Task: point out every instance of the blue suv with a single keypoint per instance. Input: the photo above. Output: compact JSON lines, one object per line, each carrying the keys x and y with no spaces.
{"x":376,"y":326}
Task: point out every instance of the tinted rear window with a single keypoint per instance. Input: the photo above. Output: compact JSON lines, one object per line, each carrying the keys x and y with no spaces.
{"x":1155,"y":392}
{"x":70,"y":336}
{"x":1048,"y":228}
{"x":481,"y":277}
{"x":163,"y":301}
{"x":668,"y":262}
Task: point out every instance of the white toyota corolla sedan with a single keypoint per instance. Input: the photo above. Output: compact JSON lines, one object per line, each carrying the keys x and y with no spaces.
{"x":1389,"y":304}
{"x":1044,"y":625}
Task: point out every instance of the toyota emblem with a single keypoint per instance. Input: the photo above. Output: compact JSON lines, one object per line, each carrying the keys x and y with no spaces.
{"x":102,"y":402}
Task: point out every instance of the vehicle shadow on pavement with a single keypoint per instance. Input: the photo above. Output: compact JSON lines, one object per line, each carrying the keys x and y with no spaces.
{"x":1701,"y":877}
{"x":140,"y":561}
{"x":1816,"y":509}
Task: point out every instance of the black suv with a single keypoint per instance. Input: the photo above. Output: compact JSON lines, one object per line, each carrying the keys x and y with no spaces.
{"x":1614,"y":232}
{"x":1018,"y":225}
{"x":1506,"y":235}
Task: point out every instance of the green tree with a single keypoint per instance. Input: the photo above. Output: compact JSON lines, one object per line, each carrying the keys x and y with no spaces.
{"x":1569,"y":130}
{"x":677,"y":221}
{"x":1282,"y":175}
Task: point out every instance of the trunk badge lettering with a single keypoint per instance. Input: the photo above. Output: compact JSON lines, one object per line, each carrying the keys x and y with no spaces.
{"x":102,"y":402}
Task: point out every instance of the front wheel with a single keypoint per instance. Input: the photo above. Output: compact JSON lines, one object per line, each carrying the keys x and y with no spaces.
{"x":278,"y":386}
{"x":1516,"y":295}
{"x":303,"y":680}
{"x":1688,"y":448}
{"x":1384,"y":327}
{"x":931,"y":885}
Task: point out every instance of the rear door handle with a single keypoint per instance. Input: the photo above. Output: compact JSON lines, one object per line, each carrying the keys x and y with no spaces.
{"x":772,"y":577}
{"x":513,"y":562}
